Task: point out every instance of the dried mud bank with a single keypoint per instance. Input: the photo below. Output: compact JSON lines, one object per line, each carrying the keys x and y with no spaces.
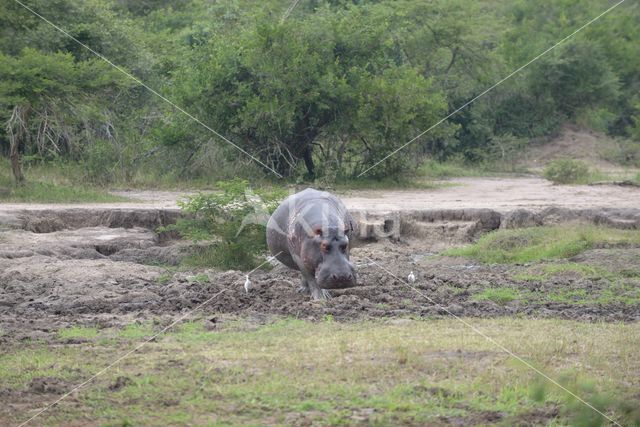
{"x":465,"y":225}
{"x":51,"y":220}
{"x":106,"y":267}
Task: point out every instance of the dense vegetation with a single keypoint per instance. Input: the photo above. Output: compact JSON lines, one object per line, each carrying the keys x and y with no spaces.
{"x":231,"y":224}
{"x":324,"y":94}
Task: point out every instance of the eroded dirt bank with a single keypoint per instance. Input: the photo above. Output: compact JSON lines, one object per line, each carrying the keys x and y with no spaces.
{"x":62,"y":267}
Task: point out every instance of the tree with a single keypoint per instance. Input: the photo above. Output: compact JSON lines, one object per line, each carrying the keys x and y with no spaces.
{"x":285,"y":91}
{"x":43,"y":94}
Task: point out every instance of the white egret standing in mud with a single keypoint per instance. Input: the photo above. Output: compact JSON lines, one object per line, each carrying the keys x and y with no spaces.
{"x":247,"y":284}
{"x":411,"y":278}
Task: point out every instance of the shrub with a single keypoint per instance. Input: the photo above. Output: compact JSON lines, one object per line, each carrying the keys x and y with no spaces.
{"x":231,"y":222}
{"x":566,"y":171}
{"x":100,"y":162}
{"x":626,"y":153}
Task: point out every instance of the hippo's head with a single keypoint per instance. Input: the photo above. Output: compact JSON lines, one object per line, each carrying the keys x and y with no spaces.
{"x":326,"y":252}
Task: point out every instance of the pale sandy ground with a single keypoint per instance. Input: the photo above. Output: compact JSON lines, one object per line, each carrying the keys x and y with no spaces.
{"x":501,"y":194}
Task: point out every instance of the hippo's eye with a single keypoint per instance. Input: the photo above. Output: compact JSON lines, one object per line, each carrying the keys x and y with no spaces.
{"x":318,"y":232}
{"x":325,"y":247}
{"x":343,"y":248}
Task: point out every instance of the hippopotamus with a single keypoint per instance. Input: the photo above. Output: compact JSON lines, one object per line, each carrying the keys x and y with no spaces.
{"x":311,"y":232}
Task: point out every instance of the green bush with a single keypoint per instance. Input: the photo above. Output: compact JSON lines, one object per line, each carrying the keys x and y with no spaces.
{"x":566,"y":171}
{"x":100,"y":162}
{"x":626,"y":152}
{"x":231,"y":222}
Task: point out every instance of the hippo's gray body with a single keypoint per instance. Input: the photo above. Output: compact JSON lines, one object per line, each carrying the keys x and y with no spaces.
{"x":311,"y":232}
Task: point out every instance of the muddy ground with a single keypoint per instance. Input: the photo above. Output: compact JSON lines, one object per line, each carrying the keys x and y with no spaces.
{"x":47,"y":293}
{"x":107,"y":266}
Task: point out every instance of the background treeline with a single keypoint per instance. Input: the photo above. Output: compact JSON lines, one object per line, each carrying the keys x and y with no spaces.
{"x":325,"y":94}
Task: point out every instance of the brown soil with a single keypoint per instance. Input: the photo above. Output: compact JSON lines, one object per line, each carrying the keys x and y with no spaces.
{"x":574,"y":142}
{"x":41,"y":293}
{"x":105,"y":266}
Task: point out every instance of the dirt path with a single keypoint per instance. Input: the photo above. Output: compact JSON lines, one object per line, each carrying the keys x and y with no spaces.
{"x":501,"y":194}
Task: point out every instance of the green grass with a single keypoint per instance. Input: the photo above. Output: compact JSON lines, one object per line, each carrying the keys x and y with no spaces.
{"x":47,"y":185}
{"x":78,"y":332}
{"x":199,"y":278}
{"x":540,"y":243}
{"x":386,"y":184}
{"x":500,"y":296}
{"x":455,"y":169}
{"x":332,"y":373}
{"x":136,"y":331}
{"x":568,"y":171}
{"x":546,"y":271}
{"x":427,"y":176}
{"x":441,"y":170}
{"x":54,"y":193}
{"x":616,"y":292}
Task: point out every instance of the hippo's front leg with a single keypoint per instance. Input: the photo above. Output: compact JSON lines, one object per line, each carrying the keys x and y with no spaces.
{"x":304,"y":286}
{"x":312,"y":287}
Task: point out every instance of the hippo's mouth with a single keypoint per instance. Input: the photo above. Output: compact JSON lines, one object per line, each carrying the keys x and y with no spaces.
{"x":338,"y":284}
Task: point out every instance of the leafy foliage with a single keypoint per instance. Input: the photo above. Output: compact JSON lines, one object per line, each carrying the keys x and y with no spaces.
{"x":325,"y":94}
{"x":566,"y":171}
{"x":232,"y":222}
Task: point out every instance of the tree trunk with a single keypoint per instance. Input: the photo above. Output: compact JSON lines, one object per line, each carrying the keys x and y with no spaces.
{"x":16,"y":166}
{"x":18,"y":133}
{"x":308,"y":161}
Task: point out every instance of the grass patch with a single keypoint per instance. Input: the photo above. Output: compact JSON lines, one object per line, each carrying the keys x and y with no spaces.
{"x":451,"y":169}
{"x":500,"y":296}
{"x":164,"y":278}
{"x":78,"y":332}
{"x":54,"y":193}
{"x":386,"y":184}
{"x":199,"y":278}
{"x":569,"y":171}
{"x":546,"y":271}
{"x":46,"y":186}
{"x":332,"y":373}
{"x":136,"y":331}
{"x":457,"y":168}
{"x":539,"y":243}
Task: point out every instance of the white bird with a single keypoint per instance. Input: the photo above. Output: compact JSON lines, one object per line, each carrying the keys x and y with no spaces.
{"x":247,"y":284}
{"x":411,"y":277}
